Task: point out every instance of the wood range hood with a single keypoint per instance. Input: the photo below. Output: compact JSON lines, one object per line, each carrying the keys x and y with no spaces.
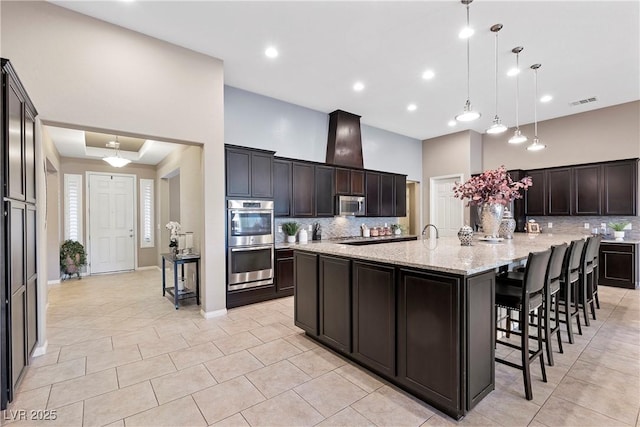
{"x":344,"y":145}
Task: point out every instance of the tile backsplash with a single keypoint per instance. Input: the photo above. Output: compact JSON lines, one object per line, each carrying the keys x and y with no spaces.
{"x":335,"y":227}
{"x":575,"y":224}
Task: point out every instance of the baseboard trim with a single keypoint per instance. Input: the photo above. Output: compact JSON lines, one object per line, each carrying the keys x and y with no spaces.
{"x":53,"y":282}
{"x":212,"y":314}
{"x":40,"y":350}
{"x":149,"y":267}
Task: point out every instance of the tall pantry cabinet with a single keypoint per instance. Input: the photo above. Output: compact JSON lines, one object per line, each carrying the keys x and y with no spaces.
{"x":18,"y":320}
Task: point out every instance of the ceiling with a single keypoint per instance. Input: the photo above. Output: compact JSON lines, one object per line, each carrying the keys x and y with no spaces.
{"x":586,"y":48}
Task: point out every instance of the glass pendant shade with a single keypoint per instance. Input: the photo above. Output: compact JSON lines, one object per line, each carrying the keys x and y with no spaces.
{"x":536,"y":145}
{"x":468,"y":114}
{"x":518,"y":137}
{"x":497,"y":127}
{"x":116,"y":160}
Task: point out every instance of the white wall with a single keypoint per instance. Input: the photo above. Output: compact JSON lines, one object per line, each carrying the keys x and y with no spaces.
{"x":253,"y":120}
{"x":86,"y":73}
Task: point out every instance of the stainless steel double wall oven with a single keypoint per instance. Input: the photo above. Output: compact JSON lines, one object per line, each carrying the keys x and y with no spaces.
{"x":250,"y":243}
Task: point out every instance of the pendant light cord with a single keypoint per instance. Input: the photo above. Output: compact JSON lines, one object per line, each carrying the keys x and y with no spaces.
{"x":496,"y":72}
{"x":517,"y":90}
{"x":535,"y":105}
{"x":468,"y":66}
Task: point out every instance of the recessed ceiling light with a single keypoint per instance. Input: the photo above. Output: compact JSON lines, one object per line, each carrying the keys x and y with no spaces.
{"x":465,"y":33}
{"x":546,"y":98}
{"x":358,"y":86}
{"x":513,"y":72}
{"x":452,"y":123}
{"x":412,"y":107}
{"x":428,"y":75}
{"x":271,"y":52}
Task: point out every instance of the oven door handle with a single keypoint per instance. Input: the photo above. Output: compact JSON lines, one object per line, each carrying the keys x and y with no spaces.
{"x":244,"y":211}
{"x":254,"y":248}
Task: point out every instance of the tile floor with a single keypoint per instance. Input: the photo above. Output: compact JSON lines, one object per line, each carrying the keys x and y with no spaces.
{"x":120,"y":355}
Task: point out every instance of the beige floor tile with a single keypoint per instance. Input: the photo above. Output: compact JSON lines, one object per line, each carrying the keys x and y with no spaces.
{"x":82,"y":388}
{"x":560,"y":412}
{"x":235,"y":327}
{"x":74,"y":351}
{"x":223,"y":400}
{"x":178,"y":384}
{"x":271,"y":332}
{"x":277,"y":378}
{"x":203,"y":335}
{"x":507,"y":408}
{"x":473,"y":418}
{"x":605,"y":377}
{"x":119,"y":423}
{"x":286,"y":409}
{"x":132,"y":324}
{"x":274,"y":351}
{"x":111,"y":359}
{"x":365,"y":380}
{"x":301,"y":341}
{"x":137,"y":337}
{"x":236,"y":420}
{"x":348,"y":417}
{"x":162,"y":346}
{"x":170,"y":327}
{"x":611,"y":403}
{"x":195,"y":355}
{"x":387,"y":406}
{"x":621,"y":348}
{"x":235,"y":343}
{"x":317,"y":362}
{"x":330,"y":393}
{"x":236,"y":364}
{"x":118,"y":404}
{"x":66,"y":416}
{"x":33,"y":399}
{"x":626,"y":365}
{"x":271,"y":318}
{"x":50,"y":358}
{"x":145,"y":369}
{"x":181,"y":412}
{"x":38,"y":377}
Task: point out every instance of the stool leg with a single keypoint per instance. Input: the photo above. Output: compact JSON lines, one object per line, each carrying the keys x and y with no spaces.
{"x":556,"y":298}
{"x":546,"y":313}
{"x":524,"y":345}
{"x":544,"y":373}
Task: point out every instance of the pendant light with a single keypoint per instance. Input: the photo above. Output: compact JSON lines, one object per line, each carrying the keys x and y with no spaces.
{"x":116,"y":160}
{"x":517,"y":137}
{"x":536,"y":146}
{"x":497,"y":126}
{"x":468,"y":114}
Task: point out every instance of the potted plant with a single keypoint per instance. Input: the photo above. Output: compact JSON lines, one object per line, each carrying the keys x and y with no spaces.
{"x":72,"y":258}
{"x":290,"y":229}
{"x":396,"y":228}
{"x":618,"y":229}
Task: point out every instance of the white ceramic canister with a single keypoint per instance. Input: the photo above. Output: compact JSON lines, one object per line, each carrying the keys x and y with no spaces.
{"x":303,"y":237}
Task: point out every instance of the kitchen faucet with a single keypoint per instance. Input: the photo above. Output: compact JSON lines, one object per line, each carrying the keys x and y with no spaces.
{"x":424,"y":230}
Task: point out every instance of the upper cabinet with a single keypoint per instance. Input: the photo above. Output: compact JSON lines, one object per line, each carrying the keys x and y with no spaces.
{"x":304,"y":191}
{"x":386,"y":194}
{"x":349,"y":182}
{"x":281,"y":187}
{"x":249,"y":173}
{"x":325,"y":199}
{"x":595,"y":189}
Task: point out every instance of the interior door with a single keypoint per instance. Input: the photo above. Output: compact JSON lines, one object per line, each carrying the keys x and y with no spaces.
{"x":447,"y":210}
{"x":111,"y":216}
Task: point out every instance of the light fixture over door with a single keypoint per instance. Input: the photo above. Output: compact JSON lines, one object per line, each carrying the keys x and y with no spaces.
{"x":116,"y":160}
{"x":468,"y":114}
{"x":517,"y":137}
{"x":536,"y":145}
{"x":497,"y":126}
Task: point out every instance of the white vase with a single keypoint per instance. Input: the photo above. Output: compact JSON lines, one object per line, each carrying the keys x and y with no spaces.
{"x":303,"y":237}
{"x":619,"y":235}
{"x":491,"y":216}
{"x":291,"y":239}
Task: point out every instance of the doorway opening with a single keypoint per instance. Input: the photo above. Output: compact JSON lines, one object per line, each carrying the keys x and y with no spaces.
{"x":411,"y":223}
{"x":446,"y":211}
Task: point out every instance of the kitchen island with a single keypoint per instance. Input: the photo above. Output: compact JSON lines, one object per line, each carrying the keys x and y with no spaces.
{"x":418,"y":313}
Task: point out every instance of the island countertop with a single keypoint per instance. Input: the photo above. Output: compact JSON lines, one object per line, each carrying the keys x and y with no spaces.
{"x":445,"y":254}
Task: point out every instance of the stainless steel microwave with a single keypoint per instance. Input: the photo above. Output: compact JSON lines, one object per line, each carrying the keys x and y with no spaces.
{"x":350,"y":205}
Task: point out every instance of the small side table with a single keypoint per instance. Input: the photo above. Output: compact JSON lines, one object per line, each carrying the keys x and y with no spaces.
{"x":180,"y":260}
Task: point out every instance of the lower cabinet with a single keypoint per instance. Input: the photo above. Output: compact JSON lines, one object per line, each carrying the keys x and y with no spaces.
{"x":305,"y":309}
{"x":618,"y":265}
{"x":334,"y":278}
{"x":374,"y":316}
{"x":284,"y":272}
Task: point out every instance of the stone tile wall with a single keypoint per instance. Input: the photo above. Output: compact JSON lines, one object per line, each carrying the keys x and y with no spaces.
{"x":575,"y":224}
{"x":336,"y":226}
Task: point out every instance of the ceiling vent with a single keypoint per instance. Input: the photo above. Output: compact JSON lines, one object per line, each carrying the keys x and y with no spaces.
{"x":583,"y":101}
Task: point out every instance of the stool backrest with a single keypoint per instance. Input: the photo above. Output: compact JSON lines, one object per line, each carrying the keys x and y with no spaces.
{"x":593,"y":248}
{"x":577,"y":248}
{"x":536,"y":271}
{"x":556,"y":262}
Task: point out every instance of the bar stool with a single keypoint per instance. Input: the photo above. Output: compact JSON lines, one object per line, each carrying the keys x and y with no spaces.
{"x":569,"y":285}
{"x":595,"y":255}
{"x":585,"y":284}
{"x":526,"y":299}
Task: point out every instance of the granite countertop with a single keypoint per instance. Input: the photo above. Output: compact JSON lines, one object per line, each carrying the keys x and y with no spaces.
{"x":444,"y":254}
{"x":350,"y":239}
{"x":628,"y":241}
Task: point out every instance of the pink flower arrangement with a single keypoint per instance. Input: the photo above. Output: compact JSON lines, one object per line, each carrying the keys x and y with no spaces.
{"x":491,"y":186}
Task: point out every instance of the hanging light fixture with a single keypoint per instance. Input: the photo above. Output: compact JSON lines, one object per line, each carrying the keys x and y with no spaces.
{"x":468,"y":114}
{"x":536,"y":145}
{"x":116,"y":160}
{"x":497,"y":126}
{"x":517,"y":137}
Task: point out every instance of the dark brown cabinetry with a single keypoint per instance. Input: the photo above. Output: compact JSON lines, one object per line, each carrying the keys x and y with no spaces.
{"x":372,"y":193}
{"x":374,"y":314}
{"x":284,"y":272}
{"x":249,"y":173}
{"x":334,"y":276}
{"x":305,"y":273}
{"x":400,"y":195}
{"x":386,"y":194}
{"x":618,"y":265}
{"x":281,"y":187}
{"x":18,"y":288}
{"x":349,"y":182}
{"x":608,"y":188}
{"x":304,"y":191}
{"x":325,"y":199}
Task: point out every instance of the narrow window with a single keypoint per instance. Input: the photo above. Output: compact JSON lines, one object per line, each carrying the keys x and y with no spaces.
{"x":73,"y":207}
{"x":146,"y":213}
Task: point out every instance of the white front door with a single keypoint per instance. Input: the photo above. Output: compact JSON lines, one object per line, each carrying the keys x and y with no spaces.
{"x":111,"y":216}
{"x":447,"y":211}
